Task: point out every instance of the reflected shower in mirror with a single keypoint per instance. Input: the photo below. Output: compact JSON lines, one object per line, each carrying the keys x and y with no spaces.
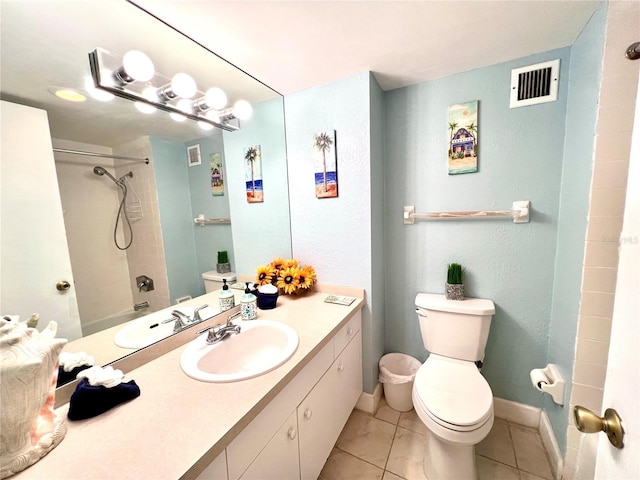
{"x":45,"y":46}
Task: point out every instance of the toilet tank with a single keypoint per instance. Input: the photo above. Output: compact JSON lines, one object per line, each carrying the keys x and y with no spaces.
{"x":213,"y":280}
{"x":454,"y":328}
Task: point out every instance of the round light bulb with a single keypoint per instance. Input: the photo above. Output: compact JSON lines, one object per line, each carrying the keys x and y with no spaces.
{"x":183,"y":85}
{"x":205,"y":126}
{"x":177,"y":117}
{"x":242,"y":110}
{"x":215,"y":98}
{"x":138,"y":66}
{"x":185,"y":106}
{"x":99,"y":95}
{"x":148,"y":93}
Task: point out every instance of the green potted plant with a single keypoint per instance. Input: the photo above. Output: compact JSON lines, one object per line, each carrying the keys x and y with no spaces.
{"x":455,"y":285}
{"x":223,"y":265}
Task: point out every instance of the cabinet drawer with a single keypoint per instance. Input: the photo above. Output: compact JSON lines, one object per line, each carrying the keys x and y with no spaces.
{"x":346,"y":333}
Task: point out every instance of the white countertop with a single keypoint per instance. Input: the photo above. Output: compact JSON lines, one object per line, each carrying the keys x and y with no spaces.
{"x":179,"y":425}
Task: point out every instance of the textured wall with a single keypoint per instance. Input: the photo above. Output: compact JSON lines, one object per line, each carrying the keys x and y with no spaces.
{"x":520,"y":158}
{"x":582,"y":105}
{"x":261,"y":231}
{"x":210,"y":239}
{"x":172,"y":181}
{"x":335,"y":234}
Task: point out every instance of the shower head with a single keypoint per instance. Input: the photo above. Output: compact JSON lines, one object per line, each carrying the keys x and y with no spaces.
{"x":98,"y":170}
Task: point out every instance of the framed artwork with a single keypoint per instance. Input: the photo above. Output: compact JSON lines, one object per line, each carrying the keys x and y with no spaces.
{"x":325,"y":164}
{"x":193,"y":155}
{"x":217,"y":181}
{"x":253,"y":174}
{"x":463,"y":138}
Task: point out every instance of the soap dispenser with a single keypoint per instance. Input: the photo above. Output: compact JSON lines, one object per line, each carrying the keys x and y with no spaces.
{"x":248,"y":305}
{"x":226,"y":297}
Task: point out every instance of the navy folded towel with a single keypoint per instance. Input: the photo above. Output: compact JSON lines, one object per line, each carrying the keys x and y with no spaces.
{"x":66,"y":377}
{"x":88,"y":401}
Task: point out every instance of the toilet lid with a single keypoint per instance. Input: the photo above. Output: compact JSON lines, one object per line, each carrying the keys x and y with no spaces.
{"x":453,"y":392}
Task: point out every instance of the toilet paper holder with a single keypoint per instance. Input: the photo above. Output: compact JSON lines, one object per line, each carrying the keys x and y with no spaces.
{"x":549,"y":380}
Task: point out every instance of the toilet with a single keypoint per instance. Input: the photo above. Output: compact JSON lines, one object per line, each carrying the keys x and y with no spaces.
{"x":450,"y":395}
{"x":213,"y":280}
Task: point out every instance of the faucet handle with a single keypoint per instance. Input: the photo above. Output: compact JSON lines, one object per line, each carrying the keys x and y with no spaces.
{"x":196,"y":313}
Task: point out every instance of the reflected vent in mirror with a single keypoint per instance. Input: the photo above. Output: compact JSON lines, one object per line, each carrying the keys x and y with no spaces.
{"x":534,"y":84}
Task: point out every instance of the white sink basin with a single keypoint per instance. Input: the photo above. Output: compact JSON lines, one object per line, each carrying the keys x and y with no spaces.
{"x":260,"y":347}
{"x":149,"y":329}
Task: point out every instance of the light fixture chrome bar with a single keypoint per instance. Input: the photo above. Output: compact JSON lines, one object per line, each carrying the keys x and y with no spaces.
{"x":102,"y":155}
{"x":122,"y":92}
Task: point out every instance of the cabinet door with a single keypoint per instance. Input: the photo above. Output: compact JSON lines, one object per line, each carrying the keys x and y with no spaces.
{"x":348,"y":371}
{"x":317,"y":425}
{"x":279,"y":459}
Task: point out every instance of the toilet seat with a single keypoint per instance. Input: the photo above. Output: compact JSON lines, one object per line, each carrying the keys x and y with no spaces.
{"x":453,"y":393}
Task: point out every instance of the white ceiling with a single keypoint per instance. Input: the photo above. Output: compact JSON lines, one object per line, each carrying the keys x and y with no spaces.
{"x":294,"y":45}
{"x":288,"y":45}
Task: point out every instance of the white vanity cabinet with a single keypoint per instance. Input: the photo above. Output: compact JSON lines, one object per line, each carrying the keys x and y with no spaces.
{"x":292,"y":437}
{"x":324,"y":412}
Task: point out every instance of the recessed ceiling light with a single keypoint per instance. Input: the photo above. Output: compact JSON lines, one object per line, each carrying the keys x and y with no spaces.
{"x":68,"y":94}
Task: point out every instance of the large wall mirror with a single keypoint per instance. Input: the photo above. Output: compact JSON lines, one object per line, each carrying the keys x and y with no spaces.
{"x":45,"y":47}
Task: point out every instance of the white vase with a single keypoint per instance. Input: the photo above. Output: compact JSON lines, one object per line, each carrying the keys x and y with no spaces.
{"x":29,"y":370}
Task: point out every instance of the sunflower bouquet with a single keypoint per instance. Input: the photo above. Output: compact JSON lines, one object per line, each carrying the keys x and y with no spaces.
{"x":289,"y":276}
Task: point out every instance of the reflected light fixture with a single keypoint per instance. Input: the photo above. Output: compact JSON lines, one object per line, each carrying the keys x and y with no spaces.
{"x":148,"y":93}
{"x":68,"y":94}
{"x":134,"y":78}
{"x":99,"y":95}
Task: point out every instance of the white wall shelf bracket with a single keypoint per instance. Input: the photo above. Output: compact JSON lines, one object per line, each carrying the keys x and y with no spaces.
{"x":519,"y":213}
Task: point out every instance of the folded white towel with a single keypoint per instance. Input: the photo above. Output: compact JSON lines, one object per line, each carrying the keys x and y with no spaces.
{"x":71,"y":360}
{"x":105,"y":376}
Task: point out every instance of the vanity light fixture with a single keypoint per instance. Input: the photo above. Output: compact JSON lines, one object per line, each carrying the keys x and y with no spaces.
{"x":136,"y":66}
{"x":99,"y":95}
{"x":135,"y":79}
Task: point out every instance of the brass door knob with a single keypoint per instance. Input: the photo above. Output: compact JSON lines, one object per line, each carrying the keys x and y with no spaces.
{"x":611,"y":424}
{"x":63,"y":285}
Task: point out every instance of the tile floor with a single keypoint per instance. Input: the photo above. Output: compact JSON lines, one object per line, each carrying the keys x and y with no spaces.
{"x":389,"y":446}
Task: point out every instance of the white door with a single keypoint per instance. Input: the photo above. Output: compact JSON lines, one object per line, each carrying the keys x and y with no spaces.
{"x":33,"y":241}
{"x":622,"y":386}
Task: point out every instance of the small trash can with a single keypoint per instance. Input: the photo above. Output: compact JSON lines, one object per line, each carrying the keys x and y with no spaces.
{"x":397,"y":372}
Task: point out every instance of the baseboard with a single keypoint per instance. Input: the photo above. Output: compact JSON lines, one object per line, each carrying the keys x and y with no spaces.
{"x":551,"y":444}
{"x":368,"y":402}
{"x":516,"y":412}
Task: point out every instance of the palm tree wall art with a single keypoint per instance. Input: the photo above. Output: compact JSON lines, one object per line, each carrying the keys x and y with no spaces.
{"x":325,"y":164}
{"x":462,"y":153}
{"x":253,"y":174}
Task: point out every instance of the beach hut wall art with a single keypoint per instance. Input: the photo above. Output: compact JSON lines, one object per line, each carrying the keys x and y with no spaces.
{"x":463,"y":138}
{"x":325,"y":164}
{"x":253,"y":174}
{"x":217,"y":180}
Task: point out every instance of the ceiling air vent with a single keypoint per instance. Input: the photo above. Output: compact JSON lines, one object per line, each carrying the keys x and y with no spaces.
{"x":534,"y":84}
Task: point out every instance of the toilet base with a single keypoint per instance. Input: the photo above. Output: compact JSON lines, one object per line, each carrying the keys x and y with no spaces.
{"x":448,"y":461}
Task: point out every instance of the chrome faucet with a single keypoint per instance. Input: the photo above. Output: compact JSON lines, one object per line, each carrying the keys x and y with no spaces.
{"x":196,"y":313}
{"x":220,"y":332}
{"x":181,"y":319}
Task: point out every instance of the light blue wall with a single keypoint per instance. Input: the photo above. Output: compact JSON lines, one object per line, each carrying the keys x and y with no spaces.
{"x":261,"y":231}
{"x":520,"y":158}
{"x":582,"y":106}
{"x":174,"y":202}
{"x":210,"y":239}
{"x":335,"y":235}
{"x":376,"y":96}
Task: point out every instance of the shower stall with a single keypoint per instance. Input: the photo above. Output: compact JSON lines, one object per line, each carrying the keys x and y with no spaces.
{"x":113,"y":232}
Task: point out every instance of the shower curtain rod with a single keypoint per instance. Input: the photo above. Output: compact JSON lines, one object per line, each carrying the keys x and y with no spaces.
{"x":103,"y":155}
